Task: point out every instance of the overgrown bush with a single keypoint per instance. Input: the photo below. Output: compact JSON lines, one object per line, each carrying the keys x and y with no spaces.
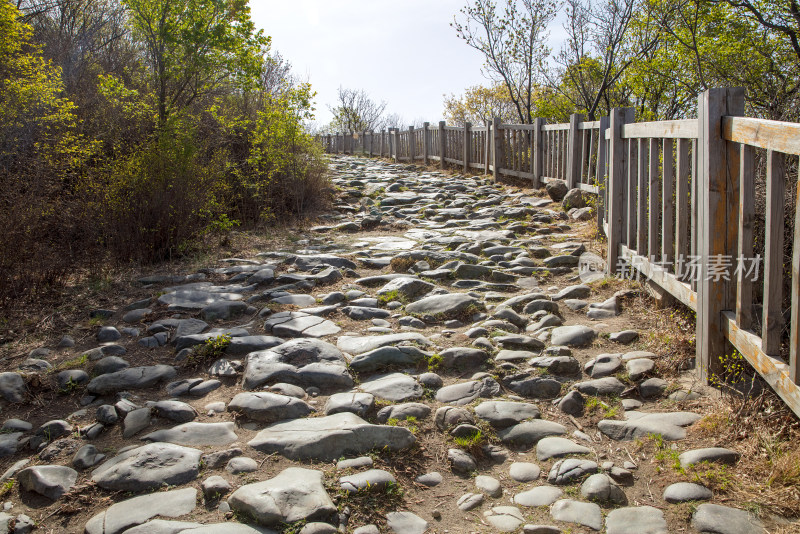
{"x":176,"y":134}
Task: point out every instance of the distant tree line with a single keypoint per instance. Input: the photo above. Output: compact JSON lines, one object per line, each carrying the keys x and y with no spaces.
{"x":653,"y":55}
{"x":132,"y":129}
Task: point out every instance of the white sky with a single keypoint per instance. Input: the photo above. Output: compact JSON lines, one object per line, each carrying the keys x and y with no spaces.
{"x":402,"y":51}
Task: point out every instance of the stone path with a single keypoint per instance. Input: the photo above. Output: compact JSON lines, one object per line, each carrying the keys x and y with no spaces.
{"x":427,"y":361}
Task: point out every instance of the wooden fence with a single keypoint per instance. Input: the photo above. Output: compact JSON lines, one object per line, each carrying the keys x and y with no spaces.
{"x":676,"y":202}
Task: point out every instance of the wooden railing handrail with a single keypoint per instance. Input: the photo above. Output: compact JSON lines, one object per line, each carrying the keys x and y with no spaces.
{"x":773,"y":135}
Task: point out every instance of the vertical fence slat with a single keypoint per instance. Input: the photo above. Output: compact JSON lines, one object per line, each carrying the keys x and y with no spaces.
{"x":498,"y":147}
{"x":713,"y":239}
{"x":641,"y":242}
{"x":654,"y":201}
{"x":667,"y":205}
{"x":747,"y":213}
{"x":600,"y":170}
{"x":632,"y":193}
{"x":682,"y":200}
{"x":773,"y":255}
{"x":616,"y":181}
{"x":794,"y":317}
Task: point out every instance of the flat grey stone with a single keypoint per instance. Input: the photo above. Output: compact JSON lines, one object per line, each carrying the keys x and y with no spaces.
{"x":401,"y":412}
{"x":582,"y":513}
{"x":214,"y":487}
{"x":601,"y":488}
{"x":86,"y":457}
{"x":528,"y":433}
{"x":461,"y":462}
{"x":603,"y":365}
{"x":686,"y":491}
{"x":524,"y":471}
{"x":223,"y":310}
{"x":241,"y":464}
{"x":51,"y":481}
{"x":406,"y":523}
{"x":268,"y":407}
{"x":717,"y":519}
{"x":195,"y":434}
{"x":626,"y":336}
{"x":441,"y":307}
{"x":177,"y":411}
{"x":488,"y":485}
{"x":132,"y":512}
{"x":463,"y":357}
{"x":383,"y":357}
{"x":572,"y":336}
{"x":431,"y":479}
{"x":330,"y":437}
{"x":540,"y":529}
{"x":557,"y":365}
{"x":573,"y":292}
{"x":570,"y":470}
{"x":135,"y":421}
{"x":148,"y":467}
{"x":466,"y":392}
{"x":533,"y":387}
{"x":504,"y":518}
{"x":639,"y":367}
{"x":360,"y":344}
{"x":299,"y":324}
{"x":555,"y":447}
{"x":12,"y":387}
{"x":372,"y":479}
{"x":601,"y":386}
{"x":354,"y":463}
{"x":711,"y":454}
{"x":357,"y":403}
{"x":194,"y":299}
{"x":653,"y":387}
{"x":538,"y":496}
{"x":395,"y":387}
{"x":636,"y":520}
{"x":406,"y":287}
{"x":572,"y":403}
{"x":502,"y":414}
{"x":296,"y":494}
{"x":470,"y":501}
{"x":131,"y":378}
{"x":639,"y":424}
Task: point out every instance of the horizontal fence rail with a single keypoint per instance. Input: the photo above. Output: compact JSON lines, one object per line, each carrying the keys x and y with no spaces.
{"x":676,"y":201}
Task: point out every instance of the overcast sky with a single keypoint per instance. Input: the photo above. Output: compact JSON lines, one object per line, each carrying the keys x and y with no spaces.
{"x":402,"y":51}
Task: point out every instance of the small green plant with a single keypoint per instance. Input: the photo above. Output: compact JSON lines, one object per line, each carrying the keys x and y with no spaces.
{"x":470,"y":440}
{"x":212,"y":349}
{"x":6,"y":487}
{"x":434,"y":362}
{"x":389,"y":296}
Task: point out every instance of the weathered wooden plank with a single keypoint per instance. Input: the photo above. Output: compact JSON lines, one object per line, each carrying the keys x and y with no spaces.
{"x":677,"y":129}
{"x":772,"y":135}
{"x":589,"y":125}
{"x":666,"y":280}
{"x":667,"y":204}
{"x":653,"y":206}
{"x":498,"y":147}
{"x":426,"y":142}
{"x":589,"y":188}
{"x":641,"y":204}
{"x":772,"y":321}
{"x":747,"y":210}
{"x":467,"y":140}
{"x":773,"y":369}
{"x":682,"y":200}
{"x":486,"y":147}
{"x":600,"y":170}
{"x":633,"y":192}
{"x":713,"y":104}
{"x":442,"y":144}
{"x":573,"y":151}
{"x":794,"y":313}
{"x":538,"y":155}
{"x":616,"y":182}
{"x":555,"y":127}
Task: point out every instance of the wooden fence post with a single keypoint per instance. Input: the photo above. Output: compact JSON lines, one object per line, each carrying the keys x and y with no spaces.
{"x":395,"y":140}
{"x":442,"y":144}
{"x":497,"y":153}
{"x":537,"y":153}
{"x":601,"y":177}
{"x":616,"y":183}
{"x":383,"y":131}
{"x":467,"y":136}
{"x":412,"y":146}
{"x":716,"y":233}
{"x":487,"y":146}
{"x":573,"y":174}
{"x":426,"y":142}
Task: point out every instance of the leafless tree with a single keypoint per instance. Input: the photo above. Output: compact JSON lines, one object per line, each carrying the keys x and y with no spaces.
{"x":597,"y":51}
{"x":513,"y":44}
{"x":355,"y":111}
